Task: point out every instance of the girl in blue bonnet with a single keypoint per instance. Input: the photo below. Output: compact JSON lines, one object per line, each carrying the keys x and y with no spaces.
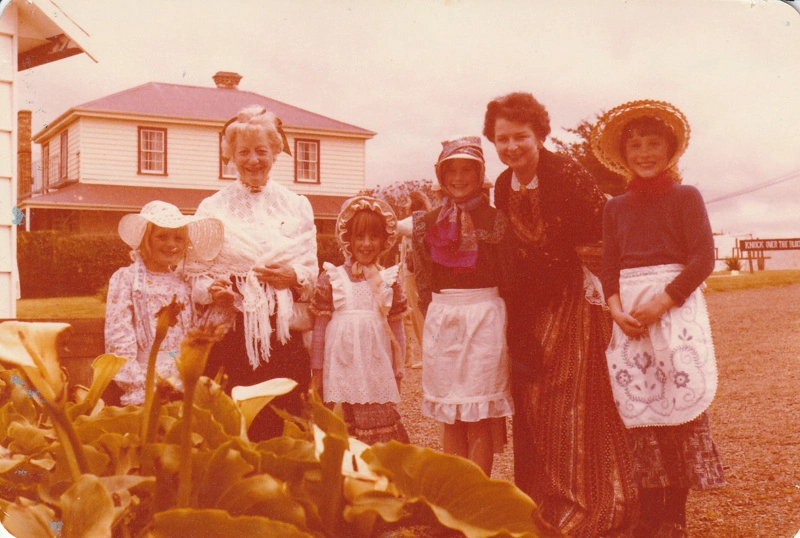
{"x":459,"y":261}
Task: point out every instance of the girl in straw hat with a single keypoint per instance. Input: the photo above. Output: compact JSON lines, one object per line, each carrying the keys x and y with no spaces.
{"x":657,"y":251}
{"x":358,"y":350}
{"x":160,"y":237}
{"x":459,"y":258}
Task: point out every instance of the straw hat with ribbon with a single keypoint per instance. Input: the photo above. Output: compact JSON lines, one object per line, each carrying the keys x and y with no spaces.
{"x":606,"y":136}
{"x":205,"y":234}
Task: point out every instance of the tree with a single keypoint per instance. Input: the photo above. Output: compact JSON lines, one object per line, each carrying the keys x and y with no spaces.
{"x":397,"y":194}
{"x":609,"y":182}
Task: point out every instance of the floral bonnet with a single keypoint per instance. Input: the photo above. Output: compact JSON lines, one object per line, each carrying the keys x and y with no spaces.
{"x":353,"y":205}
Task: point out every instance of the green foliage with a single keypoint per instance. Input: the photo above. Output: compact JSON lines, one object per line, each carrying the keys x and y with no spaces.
{"x":397,"y":194}
{"x":733,"y":263}
{"x":58,"y":264}
{"x":608,"y":181}
{"x":314,"y":481}
{"x":328,"y":250}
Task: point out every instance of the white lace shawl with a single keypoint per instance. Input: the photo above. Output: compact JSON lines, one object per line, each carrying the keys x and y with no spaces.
{"x":274,"y":226}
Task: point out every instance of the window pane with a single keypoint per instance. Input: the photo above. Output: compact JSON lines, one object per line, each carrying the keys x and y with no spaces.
{"x":152,"y":151}
{"x":307,"y":161}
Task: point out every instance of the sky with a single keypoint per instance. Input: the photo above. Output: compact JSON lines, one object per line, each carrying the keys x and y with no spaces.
{"x":418,"y":72}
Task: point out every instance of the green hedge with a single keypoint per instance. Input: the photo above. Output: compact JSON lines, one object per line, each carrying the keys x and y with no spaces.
{"x":58,"y":264}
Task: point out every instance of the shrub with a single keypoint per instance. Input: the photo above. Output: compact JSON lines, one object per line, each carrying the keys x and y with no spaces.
{"x":328,"y":250}
{"x":58,"y":264}
{"x":733,"y":263}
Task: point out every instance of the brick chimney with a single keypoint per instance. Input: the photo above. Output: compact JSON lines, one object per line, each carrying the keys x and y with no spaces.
{"x":227,"y":80}
{"x":24,"y":166}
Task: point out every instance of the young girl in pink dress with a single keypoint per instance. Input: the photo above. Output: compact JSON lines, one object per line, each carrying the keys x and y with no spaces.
{"x":657,"y":251}
{"x":160,"y":237}
{"x":357,"y":356}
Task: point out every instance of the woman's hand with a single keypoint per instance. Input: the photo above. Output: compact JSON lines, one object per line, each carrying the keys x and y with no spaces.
{"x":221,"y":293}
{"x":277,"y":275}
{"x":631,"y":326}
{"x":651,"y":311}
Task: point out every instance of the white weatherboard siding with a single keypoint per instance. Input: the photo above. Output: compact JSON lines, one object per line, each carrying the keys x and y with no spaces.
{"x":8,"y":163}
{"x":341,"y":167}
{"x":109,"y":153}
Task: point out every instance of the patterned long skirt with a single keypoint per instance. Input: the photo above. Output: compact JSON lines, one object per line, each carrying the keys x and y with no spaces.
{"x":682,"y":456}
{"x":571,"y":449}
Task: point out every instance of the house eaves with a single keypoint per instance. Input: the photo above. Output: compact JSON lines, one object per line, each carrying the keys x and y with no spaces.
{"x":47,"y":33}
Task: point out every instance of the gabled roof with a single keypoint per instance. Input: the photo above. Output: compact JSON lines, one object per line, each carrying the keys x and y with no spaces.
{"x":90,"y":196}
{"x":197,"y":103}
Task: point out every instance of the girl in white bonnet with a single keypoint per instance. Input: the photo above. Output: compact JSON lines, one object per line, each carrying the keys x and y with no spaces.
{"x":358,"y":351}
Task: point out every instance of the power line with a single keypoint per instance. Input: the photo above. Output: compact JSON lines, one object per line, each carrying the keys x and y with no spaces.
{"x":780,"y":179}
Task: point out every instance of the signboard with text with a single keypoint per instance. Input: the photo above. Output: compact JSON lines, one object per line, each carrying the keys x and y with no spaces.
{"x":769,"y":244}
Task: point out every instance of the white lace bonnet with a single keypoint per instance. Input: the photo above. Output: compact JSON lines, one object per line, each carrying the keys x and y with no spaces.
{"x":351,"y":206}
{"x":205,"y":234}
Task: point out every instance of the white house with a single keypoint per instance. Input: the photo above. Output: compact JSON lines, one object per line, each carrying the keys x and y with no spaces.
{"x":32,"y":33}
{"x":110,"y":156}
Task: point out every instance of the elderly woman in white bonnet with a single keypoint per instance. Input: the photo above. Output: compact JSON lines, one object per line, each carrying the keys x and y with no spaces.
{"x":268,"y":262}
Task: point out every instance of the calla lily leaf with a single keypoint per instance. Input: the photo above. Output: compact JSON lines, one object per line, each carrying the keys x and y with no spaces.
{"x":33,"y":346}
{"x":87,"y":509}
{"x":263,"y":494}
{"x":225,"y":468}
{"x":209,"y":395}
{"x":34,"y":521}
{"x":458,"y":492}
{"x":9,"y":460}
{"x":44,"y":463}
{"x":27,"y":439}
{"x":286,"y":457}
{"x":187,"y":523}
{"x":252,"y":399}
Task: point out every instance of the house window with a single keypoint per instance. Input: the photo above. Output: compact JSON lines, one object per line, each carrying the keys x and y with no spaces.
{"x":226,"y":171}
{"x":45,"y":165}
{"x":152,"y":151}
{"x":63,"y":162}
{"x":306,"y":161}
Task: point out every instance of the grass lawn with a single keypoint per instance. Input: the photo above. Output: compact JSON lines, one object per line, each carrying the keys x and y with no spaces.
{"x":61,"y":307}
{"x":92,"y":307}
{"x":724,"y":281}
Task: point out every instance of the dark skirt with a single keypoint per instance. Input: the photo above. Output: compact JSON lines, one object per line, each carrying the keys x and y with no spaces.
{"x":682,"y":456}
{"x":286,"y":360}
{"x":571,"y":450}
{"x":374,"y":422}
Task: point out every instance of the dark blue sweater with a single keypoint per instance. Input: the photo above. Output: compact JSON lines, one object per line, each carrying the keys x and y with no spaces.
{"x":671,"y":228}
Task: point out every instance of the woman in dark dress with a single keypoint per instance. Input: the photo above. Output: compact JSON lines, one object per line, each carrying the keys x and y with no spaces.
{"x":571,"y":453}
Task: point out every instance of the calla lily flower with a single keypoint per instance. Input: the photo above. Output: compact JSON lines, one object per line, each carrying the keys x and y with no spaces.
{"x":195,"y":348}
{"x":252,"y":399}
{"x":33,"y":346}
{"x":353,"y":465}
